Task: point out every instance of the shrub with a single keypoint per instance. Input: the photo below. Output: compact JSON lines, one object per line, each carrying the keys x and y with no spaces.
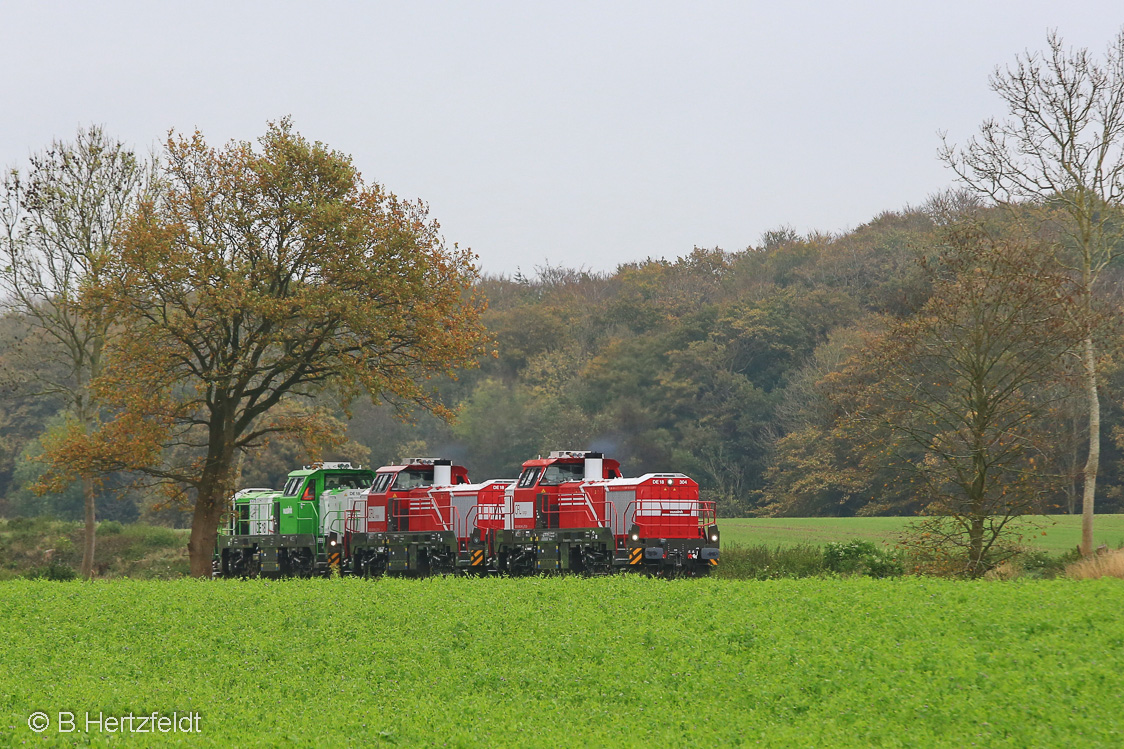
{"x":759,"y":563}
{"x":153,"y":537}
{"x":1036,"y":563}
{"x":52,"y":571}
{"x":861,"y":558}
{"x":21,"y":524}
{"x":110,"y":528}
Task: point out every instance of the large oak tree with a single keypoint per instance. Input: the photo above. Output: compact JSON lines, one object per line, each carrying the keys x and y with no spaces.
{"x":257,"y":276}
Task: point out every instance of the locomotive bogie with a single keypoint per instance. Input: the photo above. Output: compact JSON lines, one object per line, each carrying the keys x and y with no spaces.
{"x":266,"y":555}
{"x":528,"y":551}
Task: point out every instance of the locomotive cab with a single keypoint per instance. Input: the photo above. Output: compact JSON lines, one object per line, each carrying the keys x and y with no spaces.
{"x":299,"y":503}
{"x":400,"y":499}
{"x":549,"y":491}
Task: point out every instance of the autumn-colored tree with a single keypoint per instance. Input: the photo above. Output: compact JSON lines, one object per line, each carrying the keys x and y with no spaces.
{"x":969,"y":381}
{"x":58,"y":224}
{"x":256,"y":277}
{"x":824,"y":464}
{"x":1061,"y":150}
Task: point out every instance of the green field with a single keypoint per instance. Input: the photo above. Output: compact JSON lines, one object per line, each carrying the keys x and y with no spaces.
{"x":620,"y":661}
{"x":1062,"y":532}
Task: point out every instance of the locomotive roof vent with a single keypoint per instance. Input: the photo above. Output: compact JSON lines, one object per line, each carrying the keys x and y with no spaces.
{"x":426,"y":461}
{"x":572,"y":454}
{"x":321,"y":464}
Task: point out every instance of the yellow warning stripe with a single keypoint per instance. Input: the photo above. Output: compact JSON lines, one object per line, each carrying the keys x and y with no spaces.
{"x":477,"y":557}
{"x":635,"y":555}
{"x":714,"y":561}
{"x":334,"y":559}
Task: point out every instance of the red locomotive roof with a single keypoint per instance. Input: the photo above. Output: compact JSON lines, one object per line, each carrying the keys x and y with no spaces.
{"x":566,"y":456}
{"x":573,"y":457}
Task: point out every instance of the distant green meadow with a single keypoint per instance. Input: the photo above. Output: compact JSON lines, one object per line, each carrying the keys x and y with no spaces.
{"x":1052,"y":533}
{"x":546,"y":662}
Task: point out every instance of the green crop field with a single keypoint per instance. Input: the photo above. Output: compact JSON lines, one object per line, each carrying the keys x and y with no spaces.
{"x":620,"y":661}
{"x":1062,"y":532}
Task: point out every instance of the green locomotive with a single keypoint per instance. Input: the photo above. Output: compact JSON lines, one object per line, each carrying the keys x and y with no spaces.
{"x":297,"y":531}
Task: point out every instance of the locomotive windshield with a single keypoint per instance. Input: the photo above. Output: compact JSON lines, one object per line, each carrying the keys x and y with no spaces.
{"x":382,"y":481}
{"x":529,"y":477}
{"x":557,"y":473}
{"x":292,"y":486}
{"x":346,"y":481}
{"x":412,"y":478}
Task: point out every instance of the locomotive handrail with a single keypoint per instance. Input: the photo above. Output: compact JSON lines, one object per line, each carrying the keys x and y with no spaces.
{"x":703,"y":511}
{"x":497,"y":512}
{"x":454,"y":520}
{"x":593,"y":508}
{"x":414,"y":504}
{"x":358,"y":510}
{"x":351,"y":518}
{"x":337,"y":514}
{"x":587,"y":505}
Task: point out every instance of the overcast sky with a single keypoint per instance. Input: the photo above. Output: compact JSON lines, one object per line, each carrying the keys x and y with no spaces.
{"x":577,"y":134}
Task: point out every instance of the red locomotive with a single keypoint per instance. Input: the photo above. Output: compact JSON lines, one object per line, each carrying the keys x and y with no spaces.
{"x":571,"y":511}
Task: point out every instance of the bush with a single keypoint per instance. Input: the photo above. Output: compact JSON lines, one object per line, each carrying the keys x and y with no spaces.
{"x":1035,"y":563}
{"x":21,"y":524}
{"x":1109,"y":564}
{"x":153,"y":537}
{"x":110,"y":528}
{"x":52,"y":571}
{"x":759,"y":563}
{"x":861,"y":558}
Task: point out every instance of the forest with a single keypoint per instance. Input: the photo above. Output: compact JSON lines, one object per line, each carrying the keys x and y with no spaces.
{"x":719,"y":364}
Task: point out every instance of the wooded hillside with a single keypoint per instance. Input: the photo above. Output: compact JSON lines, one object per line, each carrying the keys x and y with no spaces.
{"x":724,"y":365}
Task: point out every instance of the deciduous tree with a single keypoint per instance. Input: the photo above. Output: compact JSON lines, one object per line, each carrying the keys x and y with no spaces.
{"x":1061,"y":147}
{"x":968,"y":380}
{"x":59,"y":222}
{"x":257,"y":276}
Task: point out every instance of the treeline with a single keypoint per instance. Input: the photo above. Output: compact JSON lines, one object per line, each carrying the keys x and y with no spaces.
{"x":718,"y":364}
{"x":729,"y":366}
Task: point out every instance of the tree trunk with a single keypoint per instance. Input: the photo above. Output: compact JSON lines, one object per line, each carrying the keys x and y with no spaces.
{"x":214,"y":489}
{"x":975,"y":544}
{"x":1073,"y":460}
{"x":88,"y":496}
{"x":1093,"y":462}
{"x":204,"y":533}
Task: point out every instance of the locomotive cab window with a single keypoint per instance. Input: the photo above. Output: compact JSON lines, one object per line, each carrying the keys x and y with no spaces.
{"x":382,"y":481}
{"x":345,"y":481}
{"x":292,"y":486}
{"x":529,"y":477}
{"x":412,"y":478}
{"x":557,"y":473}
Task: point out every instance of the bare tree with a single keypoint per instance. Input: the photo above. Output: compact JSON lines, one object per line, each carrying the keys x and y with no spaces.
{"x":1061,"y":151}
{"x":969,"y":382}
{"x":59,"y":222}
